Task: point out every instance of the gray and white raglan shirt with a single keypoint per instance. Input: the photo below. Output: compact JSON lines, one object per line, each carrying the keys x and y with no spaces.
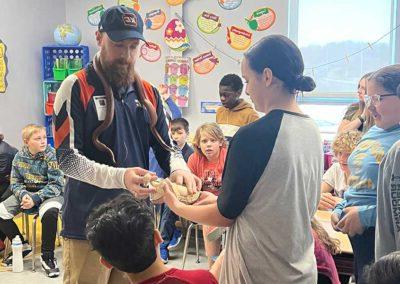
{"x":387,"y":234}
{"x":271,"y":187}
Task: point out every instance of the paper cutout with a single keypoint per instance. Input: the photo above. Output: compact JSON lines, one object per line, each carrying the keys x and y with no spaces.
{"x":155,"y":19}
{"x":205,"y":63}
{"x":175,"y":36}
{"x":208,"y":23}
{"x":150,"y":52}
{"x":3,"y":67}
{"x":177,"y":79}
{"x":175,"y":2}
{"x":94,"y":15}
{"x":209,"y":107}
{"x":229,"y":4}
{"x":134,"y":4}
{"x":261,"y":19}
{"x":238,"y":38}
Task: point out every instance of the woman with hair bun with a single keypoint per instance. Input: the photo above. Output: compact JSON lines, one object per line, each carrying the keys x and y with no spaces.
{"x":270,"y":186}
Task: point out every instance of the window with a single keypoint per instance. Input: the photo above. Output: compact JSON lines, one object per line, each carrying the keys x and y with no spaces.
{"x":330,"y":30}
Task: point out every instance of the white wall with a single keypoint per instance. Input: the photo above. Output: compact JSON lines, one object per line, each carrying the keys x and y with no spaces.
{"x":202,"y":87}
{"x":205,"y":87}
{"x":25,"y":26}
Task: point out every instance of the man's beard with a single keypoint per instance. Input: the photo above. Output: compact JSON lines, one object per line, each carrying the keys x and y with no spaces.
{"x":118,"y":73}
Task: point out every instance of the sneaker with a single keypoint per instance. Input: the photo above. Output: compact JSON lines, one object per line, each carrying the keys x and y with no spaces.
{"x":164,"y":253}
{"x":50,"y":266}
{"x":176,"y":238}
{"x":26,"y":251}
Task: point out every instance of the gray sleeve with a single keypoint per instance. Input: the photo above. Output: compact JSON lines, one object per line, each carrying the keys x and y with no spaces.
{"x":384,"y":235}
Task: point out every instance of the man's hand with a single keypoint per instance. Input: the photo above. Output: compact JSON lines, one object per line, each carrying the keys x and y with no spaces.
{"x":192,"y":182}
{"x":27,"y":202}
{"x":327,"y":202}
{"x":134,"y":181}
{"x":350,"y":223}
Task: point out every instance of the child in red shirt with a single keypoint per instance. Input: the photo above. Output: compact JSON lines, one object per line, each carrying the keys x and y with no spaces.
{"x":207,"y":162}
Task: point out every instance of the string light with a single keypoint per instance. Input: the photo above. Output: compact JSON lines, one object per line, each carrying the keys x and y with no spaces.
{"x":345,"y":58}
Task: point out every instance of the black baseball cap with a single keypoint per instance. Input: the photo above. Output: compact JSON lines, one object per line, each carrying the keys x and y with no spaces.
{"x":121,"y":22}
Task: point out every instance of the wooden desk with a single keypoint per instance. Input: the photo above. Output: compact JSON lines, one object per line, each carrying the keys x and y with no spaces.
{"x":324,"y":217}
{"x":344,"y":260}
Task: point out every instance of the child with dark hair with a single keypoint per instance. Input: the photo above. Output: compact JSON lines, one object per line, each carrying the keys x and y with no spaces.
{"x":130,"y":243}
{"x":235,"y":112}
{"x":385,"y":270}
{"x":171,"y":235}
{"x":179,"y":132}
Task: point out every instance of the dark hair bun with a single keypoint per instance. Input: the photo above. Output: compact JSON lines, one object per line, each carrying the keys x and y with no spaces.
{"x":304,"y":84}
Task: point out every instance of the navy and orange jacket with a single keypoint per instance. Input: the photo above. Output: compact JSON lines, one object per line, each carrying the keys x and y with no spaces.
{"x":92,"y":180}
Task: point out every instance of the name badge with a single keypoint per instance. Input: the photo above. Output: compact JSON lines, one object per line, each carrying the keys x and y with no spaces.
{"x":101,"y":106}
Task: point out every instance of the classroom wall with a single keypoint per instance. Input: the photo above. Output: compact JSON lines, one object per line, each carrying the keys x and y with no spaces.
{"x":202,"y":87}
{"x":25,"y":26}
{"x":22,"y":102}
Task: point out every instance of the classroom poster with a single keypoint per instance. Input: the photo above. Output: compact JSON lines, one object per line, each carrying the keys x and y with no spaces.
{"x":209,"y":107}
{"x":3,"y":67}
{"x":205,"y":63}
{"x":177,"y":79}
{"x":208,"y":23}
{"x":94,"y":15}
{"x":150,"y":51}
{"x":155,"y":19}
{"x":261,"y":19}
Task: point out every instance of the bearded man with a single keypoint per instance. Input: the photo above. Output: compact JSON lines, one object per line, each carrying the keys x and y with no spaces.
{"x":105,"y":120}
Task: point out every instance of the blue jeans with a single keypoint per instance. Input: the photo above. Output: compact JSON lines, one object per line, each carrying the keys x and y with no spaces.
{"x":167,"y":223}
{"x":364,"y":253}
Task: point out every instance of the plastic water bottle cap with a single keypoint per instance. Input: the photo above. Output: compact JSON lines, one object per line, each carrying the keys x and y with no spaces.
{"x":16,"y":240}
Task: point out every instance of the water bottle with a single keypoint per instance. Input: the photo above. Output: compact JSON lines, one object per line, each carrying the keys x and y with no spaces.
{"x":17,"y":262}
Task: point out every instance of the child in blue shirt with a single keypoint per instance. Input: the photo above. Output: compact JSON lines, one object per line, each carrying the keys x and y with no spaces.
{"x":356,"y":214}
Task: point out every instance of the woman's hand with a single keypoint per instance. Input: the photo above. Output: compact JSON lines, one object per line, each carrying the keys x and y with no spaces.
{"x":169,"y":196}
{"x":206,"y":198}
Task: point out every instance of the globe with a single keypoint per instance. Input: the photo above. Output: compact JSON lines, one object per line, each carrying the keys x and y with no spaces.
{"x":67,"y":34}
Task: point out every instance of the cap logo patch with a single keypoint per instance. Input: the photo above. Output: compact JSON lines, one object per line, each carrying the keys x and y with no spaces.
{"x":130,"y":20}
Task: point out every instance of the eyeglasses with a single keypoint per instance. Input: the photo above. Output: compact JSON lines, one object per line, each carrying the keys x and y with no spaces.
{"x":376,"y":99}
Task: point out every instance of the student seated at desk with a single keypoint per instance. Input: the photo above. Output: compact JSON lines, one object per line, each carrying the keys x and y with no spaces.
{"x":123,"y":233}
{"x":335,"y":180}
